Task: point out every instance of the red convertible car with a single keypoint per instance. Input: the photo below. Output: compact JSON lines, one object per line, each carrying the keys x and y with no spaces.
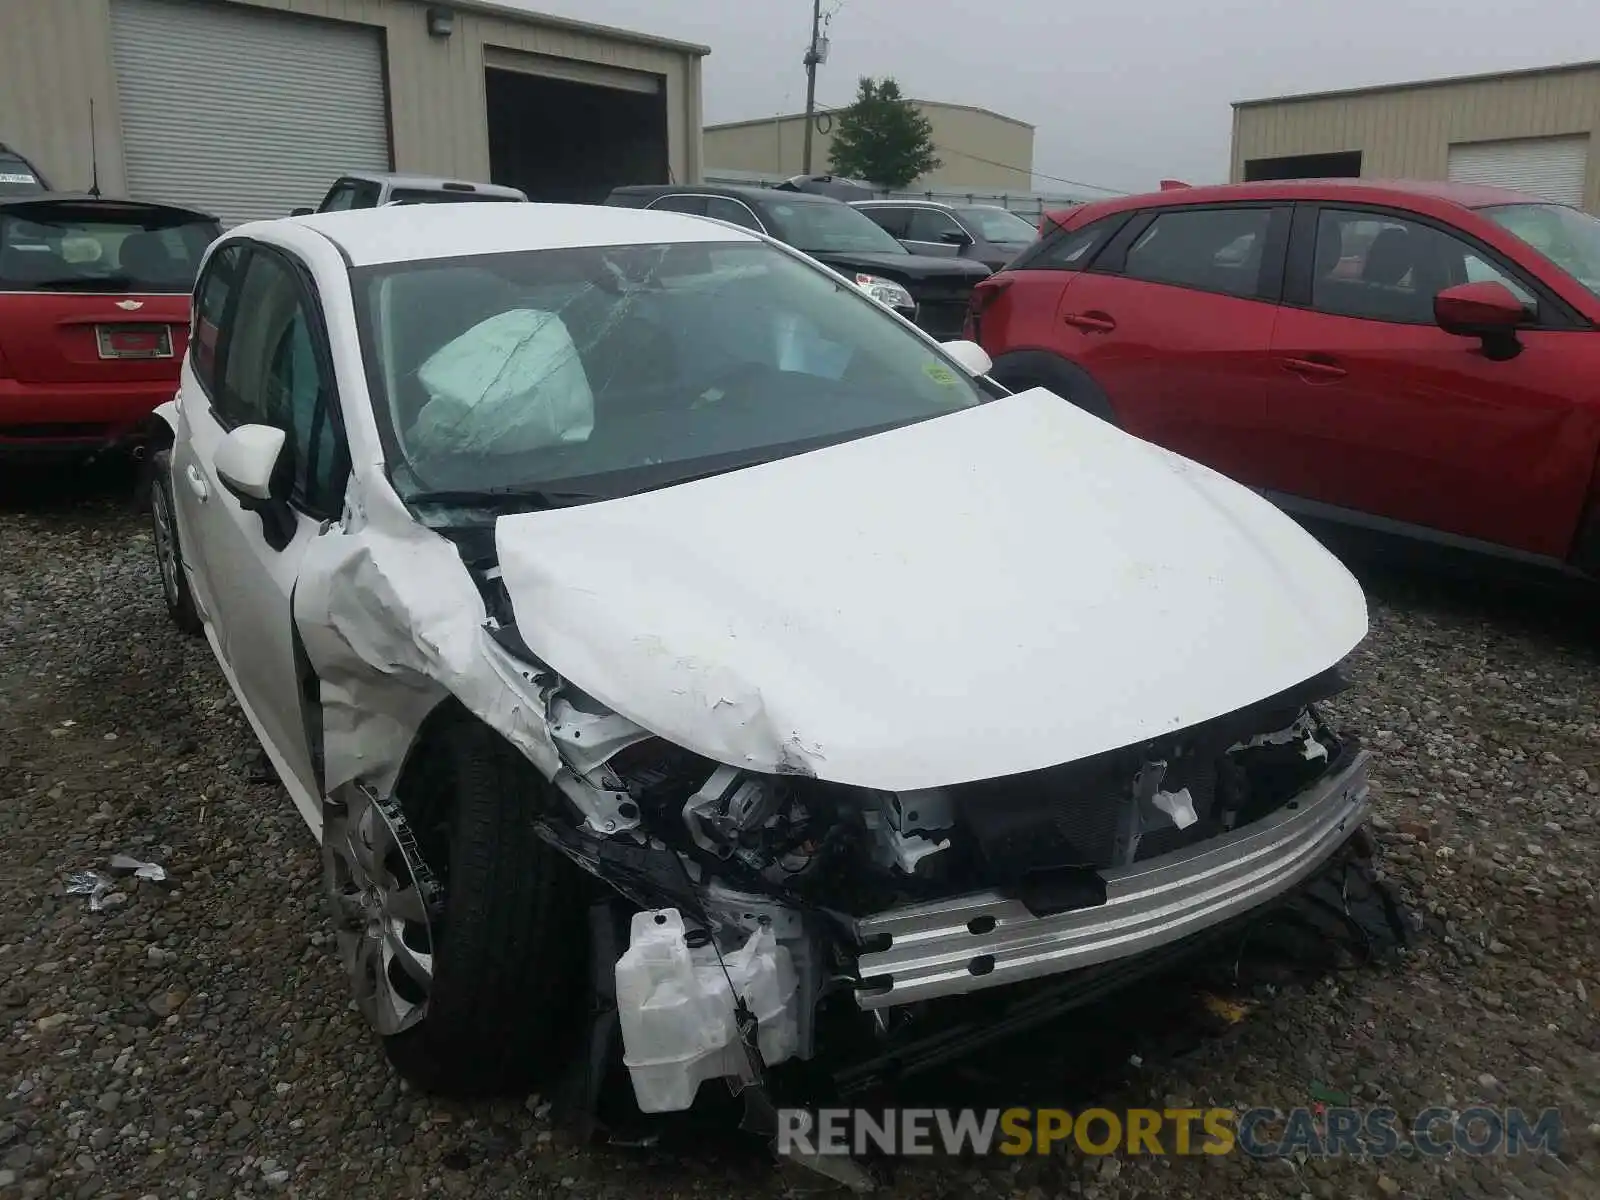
{"x":1415,"y":358}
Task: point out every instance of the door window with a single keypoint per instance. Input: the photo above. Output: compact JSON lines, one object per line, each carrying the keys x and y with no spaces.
{"x":1214,"y":249}
{"x":734,"y":211}
{"x":211,"y":302}
{"x":1386,"y":268}
{"x":694,"y":205}
{"x":895,"y":220}
{"x":931,"y":225}
{"x":274,"y":374}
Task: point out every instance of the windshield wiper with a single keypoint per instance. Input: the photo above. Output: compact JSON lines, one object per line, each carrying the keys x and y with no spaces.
{"x":110,"y":283}
{"x":504,"y":497}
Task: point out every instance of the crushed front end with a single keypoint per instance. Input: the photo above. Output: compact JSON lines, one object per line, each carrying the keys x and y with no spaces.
{"x":765,"y":898}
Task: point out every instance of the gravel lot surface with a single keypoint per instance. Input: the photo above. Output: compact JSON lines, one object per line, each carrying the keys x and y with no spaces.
{"x":196,"y":1040}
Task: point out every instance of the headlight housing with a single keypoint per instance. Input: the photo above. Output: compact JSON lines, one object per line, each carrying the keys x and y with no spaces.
{"x":885,"y":291}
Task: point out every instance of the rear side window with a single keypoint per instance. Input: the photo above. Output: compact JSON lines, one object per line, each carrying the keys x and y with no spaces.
{"x":895,"y":220}
{"x":733,"y":211}
{"x":1069,"y":249}
{"x":694,"y":205}
{"x":93,"y":247}
{"x":1214,"y":250}
{"x":211,"y":303}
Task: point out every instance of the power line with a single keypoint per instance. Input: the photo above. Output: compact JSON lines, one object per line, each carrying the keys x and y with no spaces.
{"x":989,"y":162}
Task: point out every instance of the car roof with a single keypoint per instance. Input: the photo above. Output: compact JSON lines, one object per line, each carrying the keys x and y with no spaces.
{"x":416,"y":232}
{"x":36,"y":198}
{"x":431,"y":183}
{"x":1403,"y":193}
{"x":759,"y":195}
{"x":914,"y":204}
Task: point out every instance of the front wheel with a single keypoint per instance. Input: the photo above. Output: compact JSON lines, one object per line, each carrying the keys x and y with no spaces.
{"x":175,"y":591}
{"x":462,"y":931}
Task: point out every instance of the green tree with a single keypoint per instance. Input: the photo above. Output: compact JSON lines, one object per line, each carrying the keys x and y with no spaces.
{"x":883,"y":138}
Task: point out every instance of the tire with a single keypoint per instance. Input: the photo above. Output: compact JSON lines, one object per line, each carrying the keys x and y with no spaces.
{"x":508,"y":939}
{"x":175,"y":591}
{"x":1024,"y":369}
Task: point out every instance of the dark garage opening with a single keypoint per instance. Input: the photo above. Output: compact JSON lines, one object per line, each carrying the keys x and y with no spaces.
{"x":1343,"y":165}
{"x":568,"y":142}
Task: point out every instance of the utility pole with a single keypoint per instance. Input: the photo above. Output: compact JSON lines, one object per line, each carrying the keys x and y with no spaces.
{"x":811,"y":60}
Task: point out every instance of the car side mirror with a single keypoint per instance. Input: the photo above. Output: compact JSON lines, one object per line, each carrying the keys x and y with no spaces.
{"x":246,"y":460}
{"x":301,"y":212}
{"x":972,"y":358}
{"x":1475,"y":309}
{"x":955,"y":237}
{"x":1484,"y":310}
{"x":246,"y":463}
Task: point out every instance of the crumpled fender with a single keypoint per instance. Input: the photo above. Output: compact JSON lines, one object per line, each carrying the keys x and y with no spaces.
{"x":393,"y":624}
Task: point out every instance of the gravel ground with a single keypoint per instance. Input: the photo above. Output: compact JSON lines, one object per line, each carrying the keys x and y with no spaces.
{"x":196,"y":1040}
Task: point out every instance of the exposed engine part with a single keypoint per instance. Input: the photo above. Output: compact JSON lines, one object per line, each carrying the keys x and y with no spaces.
{"x":728,"y":805}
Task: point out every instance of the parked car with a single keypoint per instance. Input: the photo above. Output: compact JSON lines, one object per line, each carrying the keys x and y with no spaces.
{"x":94,"y":317}
{"x":1413,"y":358}
{"x":18,"y":176}
{"x":573,"y":560}
{"x":931,"y":292}
{"x":985,"y":233}
{"x":375,"y":190}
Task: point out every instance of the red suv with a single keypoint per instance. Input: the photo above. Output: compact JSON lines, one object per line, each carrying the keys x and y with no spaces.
{"x":1416,"y":358}
{"x":94,"y":317}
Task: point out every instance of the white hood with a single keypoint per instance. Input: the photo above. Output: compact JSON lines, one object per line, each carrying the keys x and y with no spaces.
{"x":994,"y":591}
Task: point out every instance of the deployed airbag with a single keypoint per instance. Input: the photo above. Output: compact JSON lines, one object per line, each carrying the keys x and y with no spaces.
{"x":510,"y":384}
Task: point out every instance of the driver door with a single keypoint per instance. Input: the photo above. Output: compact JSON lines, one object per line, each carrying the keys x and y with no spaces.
{"x":273,"y":368}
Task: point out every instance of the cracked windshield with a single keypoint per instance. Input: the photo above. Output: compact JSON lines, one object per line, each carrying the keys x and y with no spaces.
{"x":520,"y":371}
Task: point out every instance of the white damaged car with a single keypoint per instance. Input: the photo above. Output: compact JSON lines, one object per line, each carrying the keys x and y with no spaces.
{"x":565,"y":555}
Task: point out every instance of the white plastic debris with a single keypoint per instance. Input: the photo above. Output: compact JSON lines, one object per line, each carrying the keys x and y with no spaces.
{"x":677,"y":1015}
{"x":126,"y":864}
{"x":91,"y":884}
{"x":1178,"y":805}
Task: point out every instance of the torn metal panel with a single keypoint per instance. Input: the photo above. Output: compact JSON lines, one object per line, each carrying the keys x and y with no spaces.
{"x":393,"y":623}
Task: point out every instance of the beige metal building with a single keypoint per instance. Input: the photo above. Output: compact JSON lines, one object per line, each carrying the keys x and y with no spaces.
{"x":249,"y":108}
{"x":979,"y":149}
{"x":1532,"y":130}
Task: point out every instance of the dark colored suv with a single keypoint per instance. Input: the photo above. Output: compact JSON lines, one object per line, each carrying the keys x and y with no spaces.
{"x":933,"y":292}
{"x":985,"y":233}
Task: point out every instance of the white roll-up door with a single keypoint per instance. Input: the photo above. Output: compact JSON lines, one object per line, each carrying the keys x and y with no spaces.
{"x":245,"y":113}
{"x":1552,"y":168}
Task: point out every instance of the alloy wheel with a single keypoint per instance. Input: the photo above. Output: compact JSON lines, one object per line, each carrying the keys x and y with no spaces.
{"x":166,"y":538}
{"x":383,"y":899}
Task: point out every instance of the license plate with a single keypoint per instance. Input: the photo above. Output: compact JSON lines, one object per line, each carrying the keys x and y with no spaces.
{"x":134,"y":341}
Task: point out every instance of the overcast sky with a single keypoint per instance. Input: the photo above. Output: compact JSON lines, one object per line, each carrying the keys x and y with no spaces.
{"x":1123,"y":94}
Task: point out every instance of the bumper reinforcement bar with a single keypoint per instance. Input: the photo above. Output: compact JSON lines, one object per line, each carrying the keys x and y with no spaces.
{"x":984,"y":940}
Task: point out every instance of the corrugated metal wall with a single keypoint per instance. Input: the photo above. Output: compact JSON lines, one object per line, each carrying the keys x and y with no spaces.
{"x":56,"y":54}
{"x":1406,"y":133}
